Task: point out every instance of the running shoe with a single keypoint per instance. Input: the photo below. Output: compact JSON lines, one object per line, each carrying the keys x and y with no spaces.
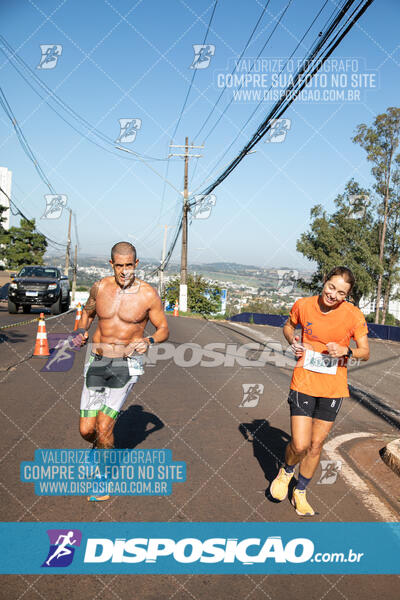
{"x":300,"y":503}
{"x":95,"y":498}
{"x":280,"y":485}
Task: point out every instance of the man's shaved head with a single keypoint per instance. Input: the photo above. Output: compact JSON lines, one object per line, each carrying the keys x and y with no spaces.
{"x":123,"y":248}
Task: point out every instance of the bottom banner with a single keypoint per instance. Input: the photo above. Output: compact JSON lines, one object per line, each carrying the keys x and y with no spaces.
{"x":208,"y":548}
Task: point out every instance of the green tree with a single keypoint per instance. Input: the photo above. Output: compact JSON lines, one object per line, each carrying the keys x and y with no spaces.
{"x":380,"y":141}
{"x":391,"y":276}
{"x":263,"y":307}
{"x":203,"y":297}
{"x":24,"y":246}
{"x":3,"y":235}
{"x":347,"y":237}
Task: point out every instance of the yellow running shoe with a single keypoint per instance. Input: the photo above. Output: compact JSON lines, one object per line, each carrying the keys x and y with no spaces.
{"x":300,"y":503}
{"x":95,"y":498}
{"x":279,"y":486}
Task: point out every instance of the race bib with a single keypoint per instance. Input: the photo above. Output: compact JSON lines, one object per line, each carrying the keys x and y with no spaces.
{"x":320,"y":363}
{"x":135,"y":366}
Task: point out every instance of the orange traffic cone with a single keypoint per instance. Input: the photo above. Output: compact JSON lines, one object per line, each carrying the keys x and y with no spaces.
{"x":78,"y":316}
{"x":41,"y":346}
{"x":176,"y":309}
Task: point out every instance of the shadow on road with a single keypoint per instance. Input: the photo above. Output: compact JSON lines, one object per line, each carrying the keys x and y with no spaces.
{"x":269,"y":445}
{"x":375,"y":406}
{"x":131,"y":427}
{"x":12,"y":337}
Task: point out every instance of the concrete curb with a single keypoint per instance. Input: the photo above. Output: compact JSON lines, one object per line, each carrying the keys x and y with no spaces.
{"x":390,"y":454}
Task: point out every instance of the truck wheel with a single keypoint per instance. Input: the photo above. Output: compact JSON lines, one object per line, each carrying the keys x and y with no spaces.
{"x":56,"y":307}
{"x":66,"y":304}
{"x":26,"y":308}
{"x":12,"y":307}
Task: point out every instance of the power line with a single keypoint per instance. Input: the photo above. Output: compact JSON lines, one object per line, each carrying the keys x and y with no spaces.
{"x":19,"y":212}
{"x":258,"y":56}
{"x":181,"y":113}
{"x":261,"y":101}
{"x":14,"y":58}
{"x":194,"y":74}
{"x":305,"y":73}
{"x":331,"y":38}
{"x":23,"y":141}
{"x":233,"y":71}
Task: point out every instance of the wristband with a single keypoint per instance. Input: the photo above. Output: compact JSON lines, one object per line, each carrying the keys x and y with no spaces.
{"x":151,"y":340}
{"x":349,"y":353}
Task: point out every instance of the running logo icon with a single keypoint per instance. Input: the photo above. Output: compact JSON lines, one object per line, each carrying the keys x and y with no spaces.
{"x":278,"y":130}
{"x":202,"y":55}
{"x":54,"y":206}
{"x":62,"y":547}
{"x":203,"y":206}
{"x":50,"y":55}
{"x":251,"y":394}
{"x":128,"y":130}
{"x":287,"y":280}
{"x":330,"y":471}
{"x":62,"y":357}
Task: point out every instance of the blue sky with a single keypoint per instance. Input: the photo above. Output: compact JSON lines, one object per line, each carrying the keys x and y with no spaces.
{"x":125,"y":59}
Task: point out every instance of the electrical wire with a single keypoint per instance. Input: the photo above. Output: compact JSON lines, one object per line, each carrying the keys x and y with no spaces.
{"x":13,"y":58}
{"x":234,"y":70}
{"x":194,"y":74}
{"x":19,"y":212}
{"x":255,"y":60}
{"x":331,"y":38}
{"x":301,"y":79}
{"x":23,"y":141}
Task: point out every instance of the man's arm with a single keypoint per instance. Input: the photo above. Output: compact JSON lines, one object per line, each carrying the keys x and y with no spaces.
{"x":88,"y":313}
{"x":158,"y":319}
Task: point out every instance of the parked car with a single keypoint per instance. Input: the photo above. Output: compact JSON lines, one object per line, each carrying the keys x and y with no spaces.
{"x":39,"y":285}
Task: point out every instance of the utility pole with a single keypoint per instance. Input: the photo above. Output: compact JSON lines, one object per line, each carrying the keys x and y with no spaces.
{"x":75,"y":271}
{"x":161,"y":272}
{"x":185,"y":210}
{"x":66,"y":269}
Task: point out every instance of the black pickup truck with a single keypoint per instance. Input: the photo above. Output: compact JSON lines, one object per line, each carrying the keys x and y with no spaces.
{"x":39,"y":285}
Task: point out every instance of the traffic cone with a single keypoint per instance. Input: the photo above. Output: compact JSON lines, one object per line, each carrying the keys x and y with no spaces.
{"x":78,"y":316}
{"x":41,"y":346}
{"x":176,"y":309}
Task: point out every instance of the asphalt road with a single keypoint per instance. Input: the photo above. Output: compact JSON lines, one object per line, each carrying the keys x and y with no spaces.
{"x":204,"y":422}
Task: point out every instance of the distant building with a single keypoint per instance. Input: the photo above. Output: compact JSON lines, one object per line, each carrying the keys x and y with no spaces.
{"x":5,"y":184}
{"x":368,"y":306}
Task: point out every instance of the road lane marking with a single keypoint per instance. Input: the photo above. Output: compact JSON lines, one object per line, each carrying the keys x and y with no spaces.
{"x":368,"y":498}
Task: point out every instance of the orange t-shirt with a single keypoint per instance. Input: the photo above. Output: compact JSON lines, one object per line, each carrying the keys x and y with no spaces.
{"x":338,"y":325}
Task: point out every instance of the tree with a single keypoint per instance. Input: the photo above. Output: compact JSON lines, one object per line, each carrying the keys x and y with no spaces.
{"x":380,"y":143}
{"x":203,"y":297}
{"x":3,"y":235}
{"x":348,"y":237}
{"x":392,"y":247}
{"x":24,"y":246}
{"x":263,"y":307}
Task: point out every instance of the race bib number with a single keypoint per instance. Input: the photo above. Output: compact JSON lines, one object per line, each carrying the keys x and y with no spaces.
{"x":320,"y":363}
{"x":135,"y":366}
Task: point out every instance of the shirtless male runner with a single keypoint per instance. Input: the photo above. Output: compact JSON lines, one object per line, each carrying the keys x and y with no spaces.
{"x":319,"y":381}
{"x":123,"y":305}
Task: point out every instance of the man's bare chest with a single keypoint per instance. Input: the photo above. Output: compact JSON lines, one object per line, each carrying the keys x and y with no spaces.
{"x":123,"y":305}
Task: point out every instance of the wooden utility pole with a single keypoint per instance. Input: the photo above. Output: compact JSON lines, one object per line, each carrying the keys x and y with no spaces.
{"x":185,"y":210}
{"x":161,"y":272}
{"x":75,"y":271}
{"x":66,"y":269}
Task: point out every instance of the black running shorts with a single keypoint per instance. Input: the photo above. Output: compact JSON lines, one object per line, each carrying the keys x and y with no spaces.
{"x":325,"y":409}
